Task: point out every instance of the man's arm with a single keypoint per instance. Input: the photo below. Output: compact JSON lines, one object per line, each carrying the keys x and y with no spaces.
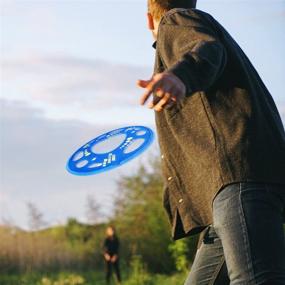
{"x":190,"y":48}
{"x":105,"y":251}
{"x":192,"y":54}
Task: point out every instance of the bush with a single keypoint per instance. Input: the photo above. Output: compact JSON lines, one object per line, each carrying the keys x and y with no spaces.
{"x":71,"y":279}
{"x":179,"y":252}
{"x":138,"y":273}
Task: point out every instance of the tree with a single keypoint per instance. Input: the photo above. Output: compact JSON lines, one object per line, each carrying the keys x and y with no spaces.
{"x":140,"y":218}
{"x":93,"y":210}
{"x":179,"y":250}
{"x":35,"y":217}
{"x":143,"y":225}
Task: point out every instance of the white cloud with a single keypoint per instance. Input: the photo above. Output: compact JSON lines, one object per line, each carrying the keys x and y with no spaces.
{"x":61,"y":80}
{"x":68,"y":88}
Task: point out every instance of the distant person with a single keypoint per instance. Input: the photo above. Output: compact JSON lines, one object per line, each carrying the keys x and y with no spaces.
{"x":222,"y":143}
{"x":111,"y":254}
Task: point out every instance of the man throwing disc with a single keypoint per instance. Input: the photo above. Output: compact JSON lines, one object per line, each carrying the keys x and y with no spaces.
{"x":223,"y":147}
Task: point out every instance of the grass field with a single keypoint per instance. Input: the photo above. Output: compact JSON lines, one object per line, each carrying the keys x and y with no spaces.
{"x":87,"y":278}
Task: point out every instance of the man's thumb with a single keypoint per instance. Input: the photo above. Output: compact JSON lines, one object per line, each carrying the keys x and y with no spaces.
{"x":143,"y":83}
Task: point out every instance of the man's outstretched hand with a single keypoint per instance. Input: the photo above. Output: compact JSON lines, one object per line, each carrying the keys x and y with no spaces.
{"x":167,"y":89}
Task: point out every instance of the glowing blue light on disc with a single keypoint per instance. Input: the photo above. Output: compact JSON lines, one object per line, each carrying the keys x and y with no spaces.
{"x":89,"y":160}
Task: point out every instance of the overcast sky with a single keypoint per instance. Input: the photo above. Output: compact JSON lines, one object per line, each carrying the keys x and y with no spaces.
{"x":68,"y":73}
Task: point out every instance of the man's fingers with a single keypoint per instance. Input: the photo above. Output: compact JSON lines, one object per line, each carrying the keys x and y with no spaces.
{"x":145,"y":96}
{"x":158,"y":95}
{"x":170,"y":103}
{"x":143,"y":83}
{"x":161,"y":93}
{"x":160,"y":86}
{"x":164,"y":100}
{"x":152,"y":86}
{"x":164,"y":86}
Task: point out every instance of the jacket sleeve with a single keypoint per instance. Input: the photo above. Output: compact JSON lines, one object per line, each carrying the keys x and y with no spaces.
{"x":192,"y":51}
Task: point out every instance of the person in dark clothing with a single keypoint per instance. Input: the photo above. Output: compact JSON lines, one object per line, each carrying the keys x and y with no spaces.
{"x":223,"y":147}
{"x":111,"y":254}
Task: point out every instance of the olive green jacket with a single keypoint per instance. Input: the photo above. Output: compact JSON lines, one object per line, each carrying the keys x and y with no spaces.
{"x":226,"y":130}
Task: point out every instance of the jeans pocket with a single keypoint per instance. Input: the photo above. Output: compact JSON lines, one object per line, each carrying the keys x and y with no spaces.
{"x":210,"y":235}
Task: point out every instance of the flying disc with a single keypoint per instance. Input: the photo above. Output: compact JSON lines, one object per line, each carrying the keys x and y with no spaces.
{"x":89,"y":159}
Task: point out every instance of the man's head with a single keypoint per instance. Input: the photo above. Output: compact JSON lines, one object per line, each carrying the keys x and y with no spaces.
{"x":110,"y":231}
{"x":157,"y":8}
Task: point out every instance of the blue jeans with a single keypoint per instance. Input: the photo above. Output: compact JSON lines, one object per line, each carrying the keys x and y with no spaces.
{"x":245,"y":244}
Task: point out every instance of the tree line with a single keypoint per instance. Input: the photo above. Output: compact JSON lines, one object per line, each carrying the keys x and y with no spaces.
{"x":138,"y":216}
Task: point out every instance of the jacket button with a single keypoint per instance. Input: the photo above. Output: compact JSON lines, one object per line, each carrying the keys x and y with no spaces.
{"x":162,"y":156}
{"x":180,"y":201}
{"x":169,"y":178}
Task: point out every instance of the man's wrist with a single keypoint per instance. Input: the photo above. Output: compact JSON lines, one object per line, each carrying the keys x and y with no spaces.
{"x":178,"y":82}
{"x":179,"y":70}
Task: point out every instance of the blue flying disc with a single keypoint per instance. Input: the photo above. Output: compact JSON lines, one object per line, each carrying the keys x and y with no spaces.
{"x":89,"y":160}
